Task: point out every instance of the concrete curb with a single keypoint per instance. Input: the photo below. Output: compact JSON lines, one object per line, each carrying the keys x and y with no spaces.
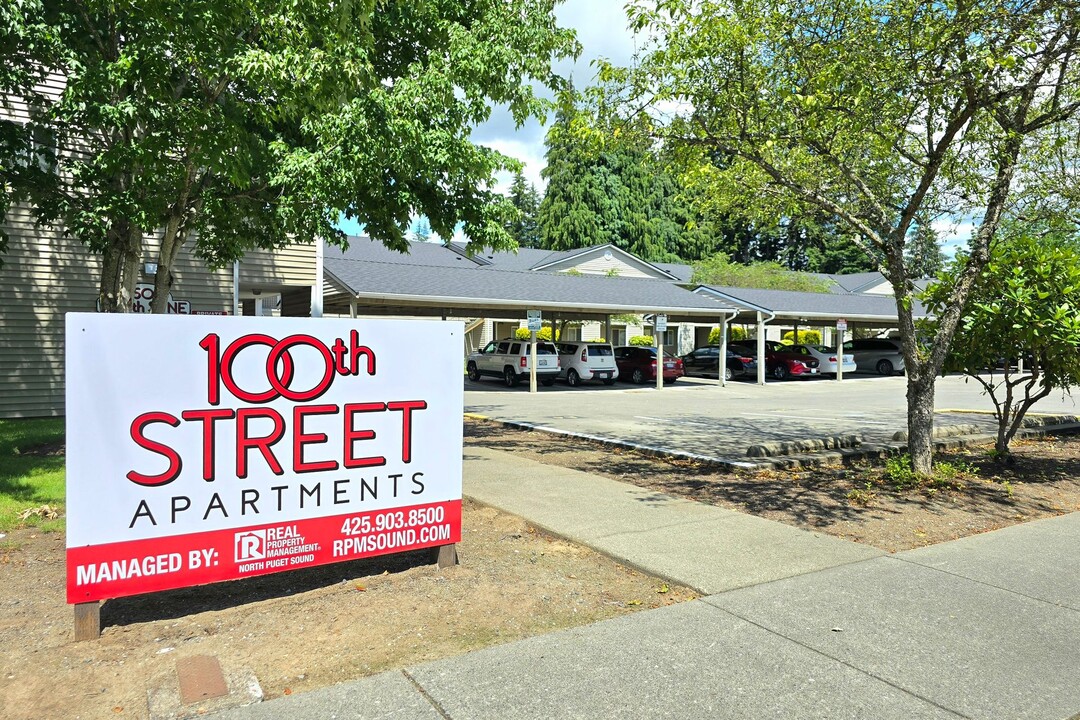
{"x":942,"y":431}
{"x":793,"y":447}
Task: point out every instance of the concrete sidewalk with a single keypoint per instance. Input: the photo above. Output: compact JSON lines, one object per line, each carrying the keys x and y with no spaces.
{"x":795,"y":625}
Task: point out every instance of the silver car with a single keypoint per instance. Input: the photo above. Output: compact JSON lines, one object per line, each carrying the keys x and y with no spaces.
{"x":879,"y":355}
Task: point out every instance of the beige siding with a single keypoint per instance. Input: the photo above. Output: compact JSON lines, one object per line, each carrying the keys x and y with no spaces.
{"x":289,"y":267}
{"x":44,"y":276}
{"x":602,"y":262}
{"x":602,"y":266}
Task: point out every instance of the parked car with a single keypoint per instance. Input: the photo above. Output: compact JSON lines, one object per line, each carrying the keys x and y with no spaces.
{"x":826,"y":358}
{"x":706,"y":360}
{"x":638,"y":364}
{"x":509,"y":359}
{"x":879,"y":355}
{"x":582,"y":361}
{"x":781,"y":363}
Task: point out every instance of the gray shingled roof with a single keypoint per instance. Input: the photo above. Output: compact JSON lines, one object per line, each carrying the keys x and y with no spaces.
{"x":788,"y":303}
{"x":363,"y":248}
{"x":680,"y":271}
{"x":478,"y":288}
{"x":521,"y":259}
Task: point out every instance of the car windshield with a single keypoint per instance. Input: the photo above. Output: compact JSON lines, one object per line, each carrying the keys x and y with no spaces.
{"x":822,"y":349}
{"x":545,"y":349}
{"x":600,"y":351}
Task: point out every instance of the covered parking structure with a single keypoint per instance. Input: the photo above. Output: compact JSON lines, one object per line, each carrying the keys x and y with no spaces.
{"x":368,"y":287}
{"x":805,"y":310}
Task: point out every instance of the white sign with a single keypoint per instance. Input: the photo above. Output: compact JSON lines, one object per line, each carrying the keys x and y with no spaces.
{"x":661,"y":323}
{"x":534,"y":320}
{"x":203,"y":448}
{"x":144,"y":296}
{"x":841,"y":324}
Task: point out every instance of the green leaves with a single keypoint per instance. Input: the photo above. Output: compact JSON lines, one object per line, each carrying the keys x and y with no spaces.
{"x":255,"y":123}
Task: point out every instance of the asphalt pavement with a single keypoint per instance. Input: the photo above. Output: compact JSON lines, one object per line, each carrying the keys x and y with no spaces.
{"x":698,"y":417}
{"x":791,"y":624}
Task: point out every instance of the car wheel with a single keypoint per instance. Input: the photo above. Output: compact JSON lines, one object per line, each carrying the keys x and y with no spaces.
{"x":884,"y":367}
{"x":638,"y":377}
{"x":474,"y":374}
{"x":780,"y":372}
{"x":510,"y":377}
{"x":573,"y":378}
{"x":728,"y":374}
{"x":548,"y":382}
{"x":609,"y":381}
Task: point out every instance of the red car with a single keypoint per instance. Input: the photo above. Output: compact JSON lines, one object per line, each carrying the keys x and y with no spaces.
{"x":638,"y":364}
{"x":781,"y":363}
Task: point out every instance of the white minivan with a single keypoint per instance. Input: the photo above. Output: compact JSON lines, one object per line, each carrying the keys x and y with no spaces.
{"x":587,"y":361}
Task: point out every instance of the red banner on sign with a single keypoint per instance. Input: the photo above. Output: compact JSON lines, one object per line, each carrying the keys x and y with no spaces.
{"x":118,"y":569}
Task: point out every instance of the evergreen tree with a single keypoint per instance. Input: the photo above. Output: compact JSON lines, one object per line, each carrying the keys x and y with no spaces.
{"x":924,"y":257}
{"x":526,"y":200}
{"x":617,"y":192}
{"x":421,"y":230}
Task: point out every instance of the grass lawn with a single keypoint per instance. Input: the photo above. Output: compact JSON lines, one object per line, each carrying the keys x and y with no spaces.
{"x":31,"y":472}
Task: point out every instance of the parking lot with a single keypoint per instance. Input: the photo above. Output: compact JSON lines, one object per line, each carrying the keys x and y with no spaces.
{"x":698,"y":416}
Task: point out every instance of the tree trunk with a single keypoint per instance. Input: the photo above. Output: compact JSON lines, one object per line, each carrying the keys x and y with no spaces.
{"x":920,"y":402}
{"x":173,"y":238}
{"x":120,"y":267}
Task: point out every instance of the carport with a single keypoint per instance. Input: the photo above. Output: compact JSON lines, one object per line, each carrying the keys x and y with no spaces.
{"x":806,"y":309}
{"x":356,"y":287}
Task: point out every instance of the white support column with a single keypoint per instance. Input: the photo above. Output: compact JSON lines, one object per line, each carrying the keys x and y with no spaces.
{"x":258,"y":306}
{"x":352,"y":308}
{"x":317,"y":288}
{"x":532,"y":361}
{"x":839,"y":355}
{"x":236,"y":288}
{"x":659,"y":359}
{"x":760,"y":349}
{"x":722,"y":367}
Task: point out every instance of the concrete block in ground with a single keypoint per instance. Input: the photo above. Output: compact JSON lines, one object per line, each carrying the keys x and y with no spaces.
{"x":943,"y":431}
{"x":732,"y":551}
{"x":685,"y":661}
{"x":389,"y":696}
{"x":792,"y":447}
{"x":975,"y":649}
{"x":1040,"y":559}
{"x":167,"y":699}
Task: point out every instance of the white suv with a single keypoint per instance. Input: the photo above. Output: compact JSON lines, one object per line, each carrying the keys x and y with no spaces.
{"x":509,"y":359}
{"x":587,"y":361}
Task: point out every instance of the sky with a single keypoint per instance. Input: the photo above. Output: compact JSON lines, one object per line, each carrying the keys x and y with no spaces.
{"x":601,"y":27}
{"x":601,"y":30}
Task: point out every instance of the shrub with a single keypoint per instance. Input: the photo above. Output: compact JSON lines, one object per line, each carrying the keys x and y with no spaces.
{"x":806,"y":337}
{"x":735,"y":334}
{"x":643,"y":340}
{"x":543,"y":334}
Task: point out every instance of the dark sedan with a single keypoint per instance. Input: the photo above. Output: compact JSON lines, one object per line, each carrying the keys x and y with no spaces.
{"x":638,"y":364}
{"x":781,"y":363}
{"x":706,"y":361}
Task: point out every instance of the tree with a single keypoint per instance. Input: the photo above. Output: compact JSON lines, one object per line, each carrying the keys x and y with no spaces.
{"x":235,"y":124}
{"x":1025,"y":305}
{"x":613,"y":188}
{"x":924,"y":257}
{"x":720,"y":271}
{"x":421,"y":230}
{"x":526,"y":202}
{"x":870,"y":112}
